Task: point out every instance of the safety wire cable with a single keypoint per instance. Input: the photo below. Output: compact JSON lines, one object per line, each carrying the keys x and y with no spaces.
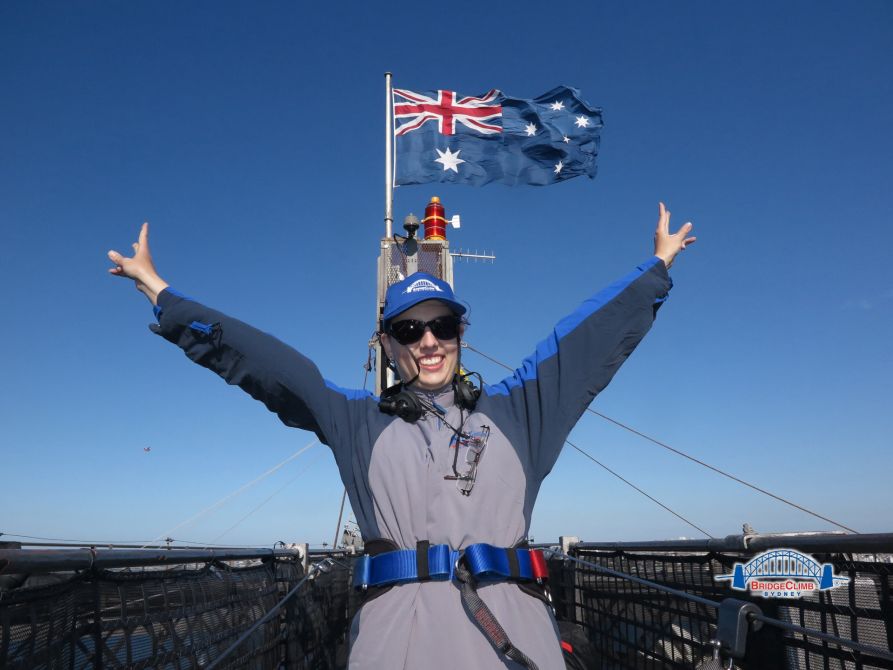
{"x":687,"y":456}
{"x":75,"y":542}
{"x":270,"y":497}
{"x":629,"y":483}
{"x":312,"y":572}
{"x":122,"y":544}
{"x":810,"y":632}
{"x":620,"y":477}
{"x":237,"y":492}
{"x":368,"y":366}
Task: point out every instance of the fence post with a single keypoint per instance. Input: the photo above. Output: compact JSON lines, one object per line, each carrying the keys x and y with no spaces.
{"x":304,"y":549}
{"x":97,"y":623}
{"x":568,"y":542}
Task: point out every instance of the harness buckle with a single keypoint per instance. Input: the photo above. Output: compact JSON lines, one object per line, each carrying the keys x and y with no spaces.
{"x":461,"y":571}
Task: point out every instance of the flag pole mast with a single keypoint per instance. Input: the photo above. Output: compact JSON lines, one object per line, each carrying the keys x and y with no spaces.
{"x":384,"y":377}
{"x":389,"y":158}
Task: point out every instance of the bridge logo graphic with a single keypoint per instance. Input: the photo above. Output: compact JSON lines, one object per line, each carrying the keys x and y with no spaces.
{"x":783,"y":573}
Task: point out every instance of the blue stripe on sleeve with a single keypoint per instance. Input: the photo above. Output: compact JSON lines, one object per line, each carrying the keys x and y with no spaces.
{"x":156,"y":309}
{"x":549,"y":346}
{"x":350,"y":394}
{"x":203,"y":328}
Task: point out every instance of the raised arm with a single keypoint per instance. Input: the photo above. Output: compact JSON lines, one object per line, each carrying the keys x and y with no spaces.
{"x":286,"y":381}
{"x":554,"y":385}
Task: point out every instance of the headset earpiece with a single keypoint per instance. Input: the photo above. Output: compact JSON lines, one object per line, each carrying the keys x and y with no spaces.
{"x":397,"y":401}
{"x":465,"y":393}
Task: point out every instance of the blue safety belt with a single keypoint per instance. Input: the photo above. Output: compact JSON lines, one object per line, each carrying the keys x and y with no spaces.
{"x":484,"y":561}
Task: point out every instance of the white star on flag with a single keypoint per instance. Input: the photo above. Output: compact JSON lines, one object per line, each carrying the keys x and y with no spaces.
{"x":449,"y":160}
{"x":558,"y":167}
{"x":557,"y":105}
{"x":582,"y":121}
{"x":531,"y":130}
{"x":567,"y":140}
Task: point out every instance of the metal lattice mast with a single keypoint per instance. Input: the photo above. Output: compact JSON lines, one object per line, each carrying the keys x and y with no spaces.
{"x":399,"y":257}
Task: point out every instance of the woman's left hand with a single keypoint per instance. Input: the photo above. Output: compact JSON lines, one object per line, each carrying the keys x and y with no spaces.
{"x":667,"y":245}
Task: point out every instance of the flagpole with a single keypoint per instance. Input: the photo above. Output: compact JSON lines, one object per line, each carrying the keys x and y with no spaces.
{"x":389,"y":158}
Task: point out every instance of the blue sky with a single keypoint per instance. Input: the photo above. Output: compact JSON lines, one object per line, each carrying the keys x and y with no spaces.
{"x":251,"y":136}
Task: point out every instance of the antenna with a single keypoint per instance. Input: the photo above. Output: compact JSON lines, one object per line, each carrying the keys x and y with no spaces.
{"x":473,"y":255}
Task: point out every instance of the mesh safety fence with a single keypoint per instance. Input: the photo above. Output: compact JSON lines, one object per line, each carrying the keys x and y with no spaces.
{"x":429,"y":257}
{"x":629,"y":625}
{"x":183,"y":617}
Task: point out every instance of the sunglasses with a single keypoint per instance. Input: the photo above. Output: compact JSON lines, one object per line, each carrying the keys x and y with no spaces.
{"x":475,"y":450}
{"x":410,"y":331}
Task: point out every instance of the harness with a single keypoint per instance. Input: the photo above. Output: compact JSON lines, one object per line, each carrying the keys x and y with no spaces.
{"x":476,"y":563}
{"x":438,"y":562}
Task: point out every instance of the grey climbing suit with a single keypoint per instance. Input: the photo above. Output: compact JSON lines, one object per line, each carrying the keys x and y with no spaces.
{"x":394,"y":471}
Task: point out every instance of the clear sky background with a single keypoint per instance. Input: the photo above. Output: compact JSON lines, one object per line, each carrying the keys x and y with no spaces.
{"x":251,"y":136}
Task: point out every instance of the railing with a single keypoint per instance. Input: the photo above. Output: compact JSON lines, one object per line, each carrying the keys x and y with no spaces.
{"x":82,"y":609}
{"x":635,"y":624}
{"x":629,"y":605}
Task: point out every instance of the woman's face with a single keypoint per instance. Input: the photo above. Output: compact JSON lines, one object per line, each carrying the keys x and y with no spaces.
{"x":435,"y":361}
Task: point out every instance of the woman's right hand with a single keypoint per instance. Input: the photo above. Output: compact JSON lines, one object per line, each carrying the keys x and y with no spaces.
{"x":139,"y":267}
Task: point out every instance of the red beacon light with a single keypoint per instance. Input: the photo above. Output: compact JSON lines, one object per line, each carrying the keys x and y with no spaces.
{"x":435,"y":220}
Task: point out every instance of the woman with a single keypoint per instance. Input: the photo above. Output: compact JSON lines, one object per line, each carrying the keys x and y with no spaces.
{"x":436,"y":471}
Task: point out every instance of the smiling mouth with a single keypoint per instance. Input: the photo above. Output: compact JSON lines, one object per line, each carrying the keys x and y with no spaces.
{"x":430,"y":362}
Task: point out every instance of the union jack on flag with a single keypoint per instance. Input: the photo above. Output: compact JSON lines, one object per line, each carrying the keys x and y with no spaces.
{"x":442,"y":136}
{"x":416,"y":109}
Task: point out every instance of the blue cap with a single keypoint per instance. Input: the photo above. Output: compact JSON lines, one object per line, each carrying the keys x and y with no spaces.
{"x":417,"y":288}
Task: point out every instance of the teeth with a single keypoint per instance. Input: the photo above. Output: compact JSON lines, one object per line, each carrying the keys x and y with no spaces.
{"x":431,"y":361}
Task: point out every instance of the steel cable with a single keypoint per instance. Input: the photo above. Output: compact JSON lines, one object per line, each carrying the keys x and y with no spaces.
{"x":687,"y":456}
{"x":629,"y":483}
{"x":78,"y":542}
{"x":620,"y":477}
{"x":257,"y":624}
{"x":266,"y":500}
{"x":238,"y":491}
{"x":311,"y":573}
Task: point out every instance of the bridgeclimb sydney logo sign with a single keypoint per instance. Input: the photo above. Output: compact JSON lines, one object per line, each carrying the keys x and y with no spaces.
{"x":783,"y":573}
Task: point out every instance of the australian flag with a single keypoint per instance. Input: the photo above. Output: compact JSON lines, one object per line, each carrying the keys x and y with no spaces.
{"x":442,"y":136}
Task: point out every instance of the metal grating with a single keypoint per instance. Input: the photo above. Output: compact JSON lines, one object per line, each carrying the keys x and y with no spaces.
{"x":397,"y":259}
{"x":430,"y":260}
{"x":175,"y":619}
{"x":185,"y":617}
{"x":633,"y":626}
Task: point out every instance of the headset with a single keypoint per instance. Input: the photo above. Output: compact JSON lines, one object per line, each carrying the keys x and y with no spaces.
{"x":399,"y":401}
